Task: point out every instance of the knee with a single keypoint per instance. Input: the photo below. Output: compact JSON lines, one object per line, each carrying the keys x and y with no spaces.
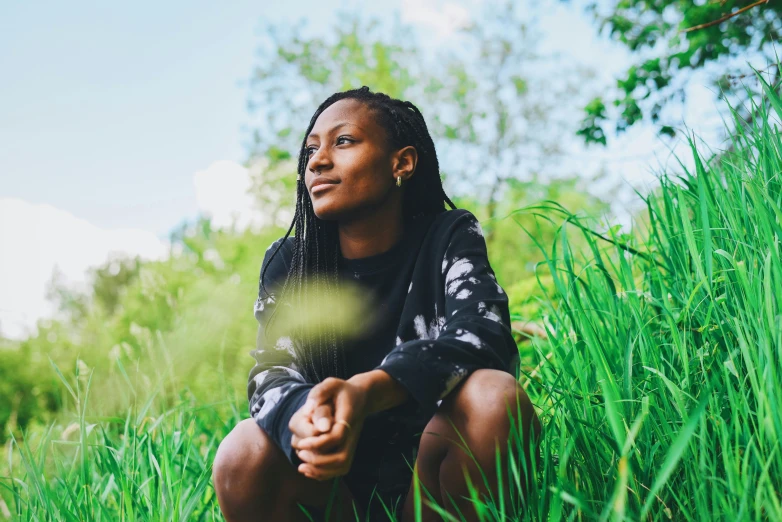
{"x":241,"y":465}
{"x":495,"y":398}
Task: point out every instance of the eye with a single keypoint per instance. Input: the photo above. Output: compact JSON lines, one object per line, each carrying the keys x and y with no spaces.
{"x":310,"y":151}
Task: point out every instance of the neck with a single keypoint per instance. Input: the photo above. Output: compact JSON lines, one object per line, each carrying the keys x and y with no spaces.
{"x":371,"y":234}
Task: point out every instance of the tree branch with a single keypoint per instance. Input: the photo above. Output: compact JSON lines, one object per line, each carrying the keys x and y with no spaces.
{"x":726,"y":17}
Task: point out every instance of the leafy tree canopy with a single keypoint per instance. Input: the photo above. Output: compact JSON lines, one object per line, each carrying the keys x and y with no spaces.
{"x":672,"y":38}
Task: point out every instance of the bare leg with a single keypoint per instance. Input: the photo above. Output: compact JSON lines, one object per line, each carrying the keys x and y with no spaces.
{"x":255,"y":481}
{"x":477,"y":409}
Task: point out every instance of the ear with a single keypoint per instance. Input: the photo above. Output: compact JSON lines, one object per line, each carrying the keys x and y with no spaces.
{"x":403,"y":162}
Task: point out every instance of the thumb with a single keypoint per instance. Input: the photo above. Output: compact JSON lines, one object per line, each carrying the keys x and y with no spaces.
{"x":344,"y":408}
{"x":321,"y":393}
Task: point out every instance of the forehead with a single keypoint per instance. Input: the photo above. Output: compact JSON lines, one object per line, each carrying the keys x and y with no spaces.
{"x":349,"y":111}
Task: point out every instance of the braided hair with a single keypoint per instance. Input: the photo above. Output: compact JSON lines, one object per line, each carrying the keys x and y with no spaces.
{"x":316,"y":245}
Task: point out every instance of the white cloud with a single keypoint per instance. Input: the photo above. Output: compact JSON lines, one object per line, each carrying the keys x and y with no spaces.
{"x":222,"y":193}
{"x":443,"y":18}
{"x":36,"y":238}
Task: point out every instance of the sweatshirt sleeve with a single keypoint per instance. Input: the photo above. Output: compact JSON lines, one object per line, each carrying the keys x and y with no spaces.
{"x":276,"y":389}
{"x":473,"y":332}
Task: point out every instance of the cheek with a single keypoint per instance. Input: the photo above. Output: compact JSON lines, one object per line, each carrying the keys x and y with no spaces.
{"x":367,"y":173}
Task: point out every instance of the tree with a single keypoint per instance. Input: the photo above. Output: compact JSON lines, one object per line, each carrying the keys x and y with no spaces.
{"x":502,"y":110}
{"x":494,"y":106}
{"x":294,"y":74}
{"x":672,"y":39}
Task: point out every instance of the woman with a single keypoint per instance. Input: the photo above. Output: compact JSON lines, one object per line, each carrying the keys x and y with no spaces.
{"x":342,"y":420}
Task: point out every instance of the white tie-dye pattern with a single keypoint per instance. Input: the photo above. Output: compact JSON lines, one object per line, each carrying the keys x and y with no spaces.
{"x":463,"y":294}
{"x":270,"y":400}
{"x":460,"y":267}
{"x":261,"y":303}
{"x":499,"y":288}
{"x":398,"y":340}
{"x":430,"y":332}
{"x":292,"y":372}
{"x":494,"y":314}
{"x":445,"y":264}
{"x":286,"y":344}
{"x":410,"y":287}
{"x":471,"y":338}
{"x":454,"y":279}
{"x":258,"y":379}
{"x":476,"y":229}
{"x":455,"y":378}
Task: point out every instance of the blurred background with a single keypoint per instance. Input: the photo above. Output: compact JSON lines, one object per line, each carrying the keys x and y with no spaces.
{"x":147,"y":160}
{"x":121,"y":124}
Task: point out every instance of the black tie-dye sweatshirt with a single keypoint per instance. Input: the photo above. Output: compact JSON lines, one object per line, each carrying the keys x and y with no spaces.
{"x":439,"y":315}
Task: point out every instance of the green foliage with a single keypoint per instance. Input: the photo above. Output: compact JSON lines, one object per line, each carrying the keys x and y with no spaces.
{"x":673,"y":38}
{"x":25,"y":394}
{"x":658,"y":386}
{"x":294,"y":74}
{"x":661,"y":382}
{"x":170,"y":321}
{"x":147,"y":463}
{"x":489,"y":122}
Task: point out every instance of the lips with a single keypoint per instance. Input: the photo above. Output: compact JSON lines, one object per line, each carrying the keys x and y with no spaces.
{"x":321,"y":184}
{"x":322,"y":181}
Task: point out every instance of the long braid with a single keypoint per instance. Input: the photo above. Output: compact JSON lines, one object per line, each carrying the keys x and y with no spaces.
{"x":316,"y":245}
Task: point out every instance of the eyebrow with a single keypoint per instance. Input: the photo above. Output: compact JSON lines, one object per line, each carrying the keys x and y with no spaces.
{"x":335,"y":127}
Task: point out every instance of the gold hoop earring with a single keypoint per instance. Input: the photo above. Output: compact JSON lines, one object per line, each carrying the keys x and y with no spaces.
{"x":399,"y":181}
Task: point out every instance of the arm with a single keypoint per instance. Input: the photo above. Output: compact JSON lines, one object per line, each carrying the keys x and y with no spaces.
{"x":382,"y":391}
{"x":275,"y":389}
{"x":473,"y":333}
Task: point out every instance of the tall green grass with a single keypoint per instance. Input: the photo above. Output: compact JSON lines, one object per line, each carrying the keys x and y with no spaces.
{"x":150,"y":465}
{"x":659,"y":385}
{"x":662,"y":385}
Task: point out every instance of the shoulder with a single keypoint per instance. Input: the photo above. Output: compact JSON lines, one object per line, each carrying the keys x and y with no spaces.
{"x":456,"y":222}
{"x":286,"y":249}
{"x":277,"y":260}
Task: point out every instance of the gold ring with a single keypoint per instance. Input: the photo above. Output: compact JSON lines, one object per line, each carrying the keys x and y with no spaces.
{"x":344,"y":422}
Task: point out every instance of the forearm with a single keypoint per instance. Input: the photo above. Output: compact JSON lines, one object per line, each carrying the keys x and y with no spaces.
{"x":383,"y":391}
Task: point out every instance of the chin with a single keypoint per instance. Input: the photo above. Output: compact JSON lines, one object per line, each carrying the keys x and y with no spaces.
{"x":327,"y":211}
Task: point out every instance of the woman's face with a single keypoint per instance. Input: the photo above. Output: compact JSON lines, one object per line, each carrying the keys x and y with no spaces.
{"x":348,"y":148}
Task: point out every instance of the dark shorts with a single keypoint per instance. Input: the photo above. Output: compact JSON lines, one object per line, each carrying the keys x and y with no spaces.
{"x":382,"y":468}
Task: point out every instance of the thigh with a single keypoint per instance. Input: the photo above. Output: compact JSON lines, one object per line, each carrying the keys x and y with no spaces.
{"x":394,"y":453}
{"x":294,"y":487}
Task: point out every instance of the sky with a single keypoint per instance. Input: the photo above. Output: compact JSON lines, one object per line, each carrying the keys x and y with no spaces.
{"x":119,"y":121}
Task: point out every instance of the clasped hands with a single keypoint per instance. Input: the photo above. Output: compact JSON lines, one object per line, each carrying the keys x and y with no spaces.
{"x":325,"y":446}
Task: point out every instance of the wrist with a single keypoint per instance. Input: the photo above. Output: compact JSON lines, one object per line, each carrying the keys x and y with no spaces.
{"x":381,"y":390}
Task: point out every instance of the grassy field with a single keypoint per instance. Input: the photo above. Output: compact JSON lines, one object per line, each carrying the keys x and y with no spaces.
{"x":660,"y":385}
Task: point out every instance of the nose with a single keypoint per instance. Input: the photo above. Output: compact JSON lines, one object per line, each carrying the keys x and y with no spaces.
{"x":319,"y":160}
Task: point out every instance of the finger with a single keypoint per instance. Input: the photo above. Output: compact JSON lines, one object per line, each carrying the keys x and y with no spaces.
{"x":344,"y":409}
{"x":311,"y":473}
{"x":325,"y":442}
{"x":322,"y":418}
{"x":326,"y":461}
{"x":323,"y":392}
{"x":320,"y":474}
{"x":301,"y":426}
